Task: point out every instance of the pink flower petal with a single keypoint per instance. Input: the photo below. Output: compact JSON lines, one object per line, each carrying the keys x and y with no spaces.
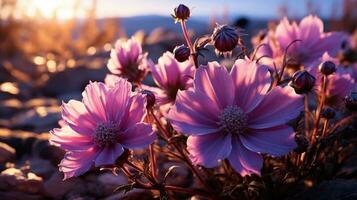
{"x":77,"y":116}
{"x":244,"y":161}
{"x":279,"y":106}
{"x":214,"y":81}
{"x":68,"y":139}
{"x":114,"y":65}
{"x":117,"y":100}
{"x":138,"y":136}
{"x":285,"y":33}
{"x":310,"y":29}
{"x":77,"y":163}
{"x":94,"y":99}
{"x":275,"y":141}
{"x":111,"y":80}
{"x":194,"y":114}
{"x":207,"y":149}
{"x":251,"y":83}
{"x":167,"y":72}
{"x":135,"y":111}
{"x":108,"y":155}
{"x":331,"y":43}
{"x":160,"y":95}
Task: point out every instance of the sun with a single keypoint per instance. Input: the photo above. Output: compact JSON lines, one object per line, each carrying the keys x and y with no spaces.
{"x":61,"y":9}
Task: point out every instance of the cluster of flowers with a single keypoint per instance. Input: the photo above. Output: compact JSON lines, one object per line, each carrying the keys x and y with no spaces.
{"x":234,"y":116}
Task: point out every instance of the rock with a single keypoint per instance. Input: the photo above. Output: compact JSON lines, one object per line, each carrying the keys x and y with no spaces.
{"x":334,"y":189}
{"x":14,"y":195}
{"x":56,"y":188}
{"x":39,"y":119}
{"x":41,"y":167}
{"x":37,"y":102}
{"x":110,"y":182}
{"x":7,"y":153}
{"x":52,"y":153}
{"x":23,"y":141}
{"x":72,"y":80}
{"x":9,"y":107}
{"x":13,"y":179}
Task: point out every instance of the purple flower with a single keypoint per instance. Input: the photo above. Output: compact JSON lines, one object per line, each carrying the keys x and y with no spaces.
{"x":99,"y":129}
{"x":312,"y":45}
{"x":128,"y":60}
{"x":170,"y":76}
{"x":234,"y":116}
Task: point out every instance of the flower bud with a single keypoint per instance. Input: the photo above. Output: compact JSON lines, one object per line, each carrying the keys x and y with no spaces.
{"x":225,"y":38}
{"x":150,"y":98}
{"x":328,"y":113}
{"x":181,"y":13}
{"x":302,"y":143}
{"x":327,"y":68}
{"x":302,"y":82}
{"x":181,"y":53}
{"x":351,"y":101}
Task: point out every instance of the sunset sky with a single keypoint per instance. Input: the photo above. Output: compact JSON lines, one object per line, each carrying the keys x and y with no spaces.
{"x":110,"y":8}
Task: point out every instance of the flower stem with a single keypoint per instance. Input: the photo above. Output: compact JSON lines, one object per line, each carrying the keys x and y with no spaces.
{"x":319,"y":108}
{"x":182,"y":154}
{"x":139,"y":184}
{"x":324,"y":130}
{"x":153,"y":162}
{"x":193,"y":56}
{"x":306,"y":107}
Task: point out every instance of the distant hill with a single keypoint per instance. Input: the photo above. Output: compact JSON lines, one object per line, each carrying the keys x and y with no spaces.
{"x":150,"y":22}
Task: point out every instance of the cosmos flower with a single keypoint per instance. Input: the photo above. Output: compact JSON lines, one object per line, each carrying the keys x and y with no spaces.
{"x":234,"y":116}
{"x":170,"y":76}
{"x":99,"y":129}
{"x":128,"y":60}
{"x":312,"y":44}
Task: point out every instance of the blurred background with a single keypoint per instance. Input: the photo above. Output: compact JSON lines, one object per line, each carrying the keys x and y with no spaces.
{"x":50,"y":49}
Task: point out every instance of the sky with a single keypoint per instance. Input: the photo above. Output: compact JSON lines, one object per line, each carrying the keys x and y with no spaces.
{"x":125,"y":8}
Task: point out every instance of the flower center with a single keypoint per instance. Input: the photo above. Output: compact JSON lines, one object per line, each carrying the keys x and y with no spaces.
{"x":106,"y":133}
{"x":233,"y":120}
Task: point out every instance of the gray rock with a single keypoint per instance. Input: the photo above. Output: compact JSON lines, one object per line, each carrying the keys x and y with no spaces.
{"x":7,"y":153}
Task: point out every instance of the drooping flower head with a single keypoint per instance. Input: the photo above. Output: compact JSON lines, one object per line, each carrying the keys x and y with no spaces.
{"x":127,"y":60}
{"x":310,"y":42}
{"x":234,"y":116}
{"x":100,"y":128}
{"x":170,"y":76}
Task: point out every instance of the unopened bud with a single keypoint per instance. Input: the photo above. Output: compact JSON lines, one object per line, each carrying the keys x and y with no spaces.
{"x":225,"y":38}
{"x":182,"y":53}
{"x":181,"y":13}
{"x":302,"y":82}
{"x":327,"y":68}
